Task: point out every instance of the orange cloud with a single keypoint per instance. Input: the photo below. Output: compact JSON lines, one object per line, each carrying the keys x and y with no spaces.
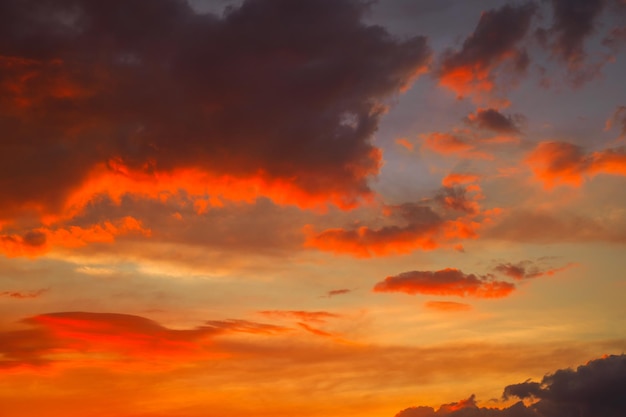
{"x":39,"y":241}
{"x":453,"y":179}
{"x":447,"y":281}
{"x":562,"y":163}
{"x":471,"y":71}
{"x":454,"y":144}
{"x":405,"y":144}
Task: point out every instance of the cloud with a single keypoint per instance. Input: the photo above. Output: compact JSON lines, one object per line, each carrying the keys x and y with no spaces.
{"x":456,"y":198}
{"x":617,"y":120}
{"x":447,"y":306}
{"x":459,"y":178}
{"x":595,"y":389}
{"x":116,"y":336}
{"x":472,"y":70}
{"x":308,"y":316}
{"x":458,"y":143}
{"x":492,"y":119}
{"x":528,"y":270}
{"x":573,"y":22}
{"x":562,"y":163}
{"x":341,"y":291}
{"x":22,"y":294}
{"x":413,"y":227}
{"x":232,"y":107}
{"x":447,"y":281}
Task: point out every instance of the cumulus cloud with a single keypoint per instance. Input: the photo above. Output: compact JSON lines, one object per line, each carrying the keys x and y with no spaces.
{"x":472,"y":70}
{"x":271,"y":99}
{"x":447,"y":281}
{"x":595,"y":389}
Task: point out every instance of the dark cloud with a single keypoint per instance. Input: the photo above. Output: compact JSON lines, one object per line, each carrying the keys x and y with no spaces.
{"x":492,"y":119}
{"x":471,"y":70}
{"x":573,"y":22}
{"x":592,"y":390}
{"x":455,"y":198}
{"x":341,"y":291}
{"x":447,"y":281}
{"x":527,"y":270}
{"x":275,"y":89}
{"x":595,"y":389}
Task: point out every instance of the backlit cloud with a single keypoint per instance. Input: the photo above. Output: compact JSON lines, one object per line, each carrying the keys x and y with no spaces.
{"x":232,"y":107}
{"x":595,"y":389}
{"x":472,"y":70}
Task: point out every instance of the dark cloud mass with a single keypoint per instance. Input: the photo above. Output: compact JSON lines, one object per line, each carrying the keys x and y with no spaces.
{"x":285,"y":90}
{"x":597,"y":389}
{"x":573,"y":22}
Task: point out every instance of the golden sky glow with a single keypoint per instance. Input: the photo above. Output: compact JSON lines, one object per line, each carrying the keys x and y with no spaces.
{"x":317,"y":208}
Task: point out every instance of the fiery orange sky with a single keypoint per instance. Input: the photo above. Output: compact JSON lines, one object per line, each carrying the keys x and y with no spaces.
{"x":317,"y":208}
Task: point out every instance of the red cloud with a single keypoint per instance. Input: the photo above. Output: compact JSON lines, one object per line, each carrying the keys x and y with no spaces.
{"x":93,"y":336}
{"x":447,"y":281}
{"x":558,"y":163}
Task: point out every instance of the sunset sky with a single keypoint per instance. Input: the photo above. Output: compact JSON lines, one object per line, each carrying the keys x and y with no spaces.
{"x":312,"y":208}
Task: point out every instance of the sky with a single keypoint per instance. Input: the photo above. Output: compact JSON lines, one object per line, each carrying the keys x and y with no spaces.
{"x":316,"y":208}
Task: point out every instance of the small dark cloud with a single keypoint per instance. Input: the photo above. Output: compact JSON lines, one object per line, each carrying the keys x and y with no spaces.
{"x":23,"y":294}
{"x":333,"y":293}
{"x":492,"y":119}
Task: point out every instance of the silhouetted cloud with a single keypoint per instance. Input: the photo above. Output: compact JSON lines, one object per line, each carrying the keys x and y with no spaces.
{"x":595,"y":389}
